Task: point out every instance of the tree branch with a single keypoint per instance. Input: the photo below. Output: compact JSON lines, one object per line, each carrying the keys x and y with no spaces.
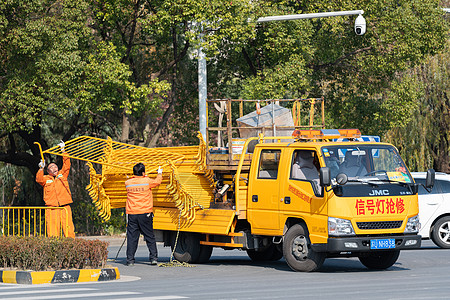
{"x":337,"y":61}
{"x":249,"y":62}
{"x":173,"y":62}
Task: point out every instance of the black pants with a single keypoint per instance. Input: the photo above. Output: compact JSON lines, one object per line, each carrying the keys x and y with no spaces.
{"x":137,"y":224}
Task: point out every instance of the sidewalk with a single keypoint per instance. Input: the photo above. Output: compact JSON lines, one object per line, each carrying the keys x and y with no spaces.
{"x":115,"y":240}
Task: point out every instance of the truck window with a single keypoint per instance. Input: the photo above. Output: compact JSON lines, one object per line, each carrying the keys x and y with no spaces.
{"x":268,"y":164}
{"x":304,"y":166}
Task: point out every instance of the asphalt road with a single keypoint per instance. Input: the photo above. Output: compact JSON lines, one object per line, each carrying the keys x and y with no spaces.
{"x":418,"y":274}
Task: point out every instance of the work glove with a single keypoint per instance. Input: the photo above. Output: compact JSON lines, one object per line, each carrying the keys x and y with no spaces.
{"x":159,"y":170}
{"x":41,"y":164}
{"x":62,"y":145}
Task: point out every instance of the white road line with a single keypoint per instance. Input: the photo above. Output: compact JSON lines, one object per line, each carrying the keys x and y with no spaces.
{"x":63,"y":295}
{"x":46,"y":291}
{"x":170,"y":297}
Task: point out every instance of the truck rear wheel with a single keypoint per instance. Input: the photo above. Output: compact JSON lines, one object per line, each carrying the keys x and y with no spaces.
{"x":187,"y":248}
{"x":379,"y":260}
{"x":298,"y":252}
{"x":204,"y":254}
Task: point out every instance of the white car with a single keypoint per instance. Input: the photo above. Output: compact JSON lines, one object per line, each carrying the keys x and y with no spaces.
{"x":434,"y":209}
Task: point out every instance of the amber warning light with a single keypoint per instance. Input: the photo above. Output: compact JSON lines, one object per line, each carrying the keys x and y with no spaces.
{"x":315,"y":134}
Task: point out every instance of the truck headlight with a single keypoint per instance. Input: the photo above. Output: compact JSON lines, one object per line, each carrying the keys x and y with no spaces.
{"x":413,"y":225}
{"x":339,"y":227}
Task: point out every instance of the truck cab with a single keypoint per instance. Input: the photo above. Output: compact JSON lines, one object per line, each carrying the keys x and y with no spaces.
{"x":333,"y":199}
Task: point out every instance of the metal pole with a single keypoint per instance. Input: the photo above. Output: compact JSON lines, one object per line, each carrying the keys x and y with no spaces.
{"x":202,"y":91}
{"x":274,"y":132}
{"x":310,"y":16}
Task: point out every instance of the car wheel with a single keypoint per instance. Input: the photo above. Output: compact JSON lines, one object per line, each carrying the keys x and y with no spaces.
{"x":440,"y":234}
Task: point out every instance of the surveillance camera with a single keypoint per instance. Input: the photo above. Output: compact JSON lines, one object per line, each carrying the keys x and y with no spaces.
{"x":360,"y":25}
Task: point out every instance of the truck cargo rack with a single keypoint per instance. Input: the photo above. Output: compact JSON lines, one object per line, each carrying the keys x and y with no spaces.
{"x":228,"y":158}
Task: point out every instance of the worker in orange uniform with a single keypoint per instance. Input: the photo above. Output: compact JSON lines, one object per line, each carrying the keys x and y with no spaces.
{"x":57,"y":194}
{"x":139,"y":210}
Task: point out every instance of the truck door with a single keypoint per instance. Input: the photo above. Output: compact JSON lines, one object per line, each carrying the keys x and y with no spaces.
{"x":263,"y":192}
{"x":302,"y":192}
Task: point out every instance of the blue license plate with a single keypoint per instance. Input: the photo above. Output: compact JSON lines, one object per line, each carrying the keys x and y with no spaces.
{"x":382,"y":244}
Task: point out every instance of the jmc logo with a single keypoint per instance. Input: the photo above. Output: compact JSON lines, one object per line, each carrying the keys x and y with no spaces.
{"x":379,"y":193}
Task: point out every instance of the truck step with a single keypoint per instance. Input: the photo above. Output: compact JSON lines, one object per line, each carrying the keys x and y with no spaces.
{"x":221,"y":244}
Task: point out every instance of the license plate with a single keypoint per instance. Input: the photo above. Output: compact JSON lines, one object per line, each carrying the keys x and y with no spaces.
{"x":382,"y":244}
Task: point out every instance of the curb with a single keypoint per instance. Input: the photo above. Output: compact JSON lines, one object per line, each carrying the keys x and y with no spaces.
{"x":62,"y":276}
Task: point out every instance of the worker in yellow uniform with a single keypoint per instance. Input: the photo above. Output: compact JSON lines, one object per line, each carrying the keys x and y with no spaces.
{"x":57,"y":194}
{"x":139,"y":209}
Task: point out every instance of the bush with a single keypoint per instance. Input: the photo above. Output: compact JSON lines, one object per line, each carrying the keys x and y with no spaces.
{"x":44,"y":253}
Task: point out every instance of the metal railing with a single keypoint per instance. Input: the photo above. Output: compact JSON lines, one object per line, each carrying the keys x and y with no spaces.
{"x":28,"y":221}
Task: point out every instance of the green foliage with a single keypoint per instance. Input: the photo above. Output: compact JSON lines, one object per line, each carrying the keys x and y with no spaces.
{"x":14,"y":184}
{"x":56,"y":68}
{"x":85,"y":67}
{"x":43,"y":253}
{"x":424,"y":140}
{"x":359,"y":76}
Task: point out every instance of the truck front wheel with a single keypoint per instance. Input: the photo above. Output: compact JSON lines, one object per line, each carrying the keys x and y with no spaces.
{"x":379,"y":260}
{"x":298,"y":252}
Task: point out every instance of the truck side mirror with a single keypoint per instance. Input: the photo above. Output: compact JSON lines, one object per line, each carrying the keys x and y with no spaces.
{"x":324,"y":175}
{"x":415,"y":188}
{"x":429,"y":182}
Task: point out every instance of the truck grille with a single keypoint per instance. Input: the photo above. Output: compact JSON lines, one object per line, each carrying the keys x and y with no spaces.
{"x":379,"y":225}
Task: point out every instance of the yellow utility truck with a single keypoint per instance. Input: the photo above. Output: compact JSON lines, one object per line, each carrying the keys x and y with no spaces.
{"x":306,"y":197}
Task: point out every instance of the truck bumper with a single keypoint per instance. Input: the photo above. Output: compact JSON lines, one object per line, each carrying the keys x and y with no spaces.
{"x":362,"y":244}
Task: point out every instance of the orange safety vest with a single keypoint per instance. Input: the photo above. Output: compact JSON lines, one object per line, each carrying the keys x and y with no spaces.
{"x":56,"y":189}
{"x":139,"y":194}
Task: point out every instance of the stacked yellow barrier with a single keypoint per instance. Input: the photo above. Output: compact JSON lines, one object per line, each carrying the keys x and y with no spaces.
{"x":186,"y":187}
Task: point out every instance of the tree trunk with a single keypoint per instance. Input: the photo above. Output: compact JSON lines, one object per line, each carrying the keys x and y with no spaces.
{"x":154,"y":138}
{"x":125,"y":127}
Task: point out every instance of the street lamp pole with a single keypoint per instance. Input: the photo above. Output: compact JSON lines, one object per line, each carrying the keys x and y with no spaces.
{"x":202,"y":91}
{"x":310,"y":16}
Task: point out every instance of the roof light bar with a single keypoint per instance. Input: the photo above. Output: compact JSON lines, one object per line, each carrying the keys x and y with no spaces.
{"x":316,"y":134}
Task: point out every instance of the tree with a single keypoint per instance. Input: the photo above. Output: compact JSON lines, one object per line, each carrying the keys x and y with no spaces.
{"x":158,"y":39}
{"x":57,"y":80}
{"x":424,"y":141}
{"x":324,"y":57}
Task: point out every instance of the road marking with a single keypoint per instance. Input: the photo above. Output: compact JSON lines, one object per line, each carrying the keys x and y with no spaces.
{"x":46,"y":291}
{"x":165,"y":297}
{"x":63,"y":295}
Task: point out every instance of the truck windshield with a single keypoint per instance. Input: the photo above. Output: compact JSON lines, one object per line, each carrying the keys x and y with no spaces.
{"x":366,"y":163}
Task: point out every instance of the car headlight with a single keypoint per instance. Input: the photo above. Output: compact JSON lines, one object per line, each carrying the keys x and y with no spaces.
{"x":413,"y":225}
{"x":339,"y":227}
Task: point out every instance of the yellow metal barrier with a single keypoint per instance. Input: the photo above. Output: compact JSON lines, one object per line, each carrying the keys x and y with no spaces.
{"x":28,"y":220}
{"x":115,"y":157}
{"x":185,"y":176}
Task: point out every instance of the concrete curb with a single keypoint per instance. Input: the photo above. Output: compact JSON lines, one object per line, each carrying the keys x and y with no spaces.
{"x":62,"y":276}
